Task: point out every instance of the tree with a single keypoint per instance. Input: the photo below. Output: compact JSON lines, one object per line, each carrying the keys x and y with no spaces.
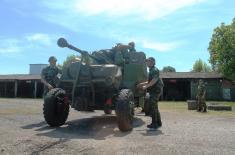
{"x":200,"y":66}
{"x":69,"y":59}
{"x":168,"y":69}
{"x":222,"y":50}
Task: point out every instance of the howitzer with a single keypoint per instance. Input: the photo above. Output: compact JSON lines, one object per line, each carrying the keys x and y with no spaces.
{"x":103,"y":86}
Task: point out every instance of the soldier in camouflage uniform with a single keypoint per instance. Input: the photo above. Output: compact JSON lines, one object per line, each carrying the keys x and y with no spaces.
{"x":131,"y":46}
{"x":49,"y":75}
{"x":201,"y":97}
{"x":121,"y":53}
{"x":154,"y":86}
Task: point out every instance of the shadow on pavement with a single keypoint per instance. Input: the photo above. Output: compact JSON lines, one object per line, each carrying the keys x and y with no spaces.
{"x":35,"y":125}
{"x":96,"y":127}
{"x":152,"y":132}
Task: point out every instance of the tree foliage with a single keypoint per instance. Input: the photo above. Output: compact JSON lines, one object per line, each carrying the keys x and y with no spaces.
{"x":222,"y":50}
{"x":168,"y":69}
{"x":200,"y":66}
{"x":69,"y":59}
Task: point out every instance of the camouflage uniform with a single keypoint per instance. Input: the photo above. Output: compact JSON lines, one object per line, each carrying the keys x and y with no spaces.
{"x":121,"y":53}
{"x":201,"y":97}
{"x":131,"y":47}
{"x":155,"y":92}
{"x":50,"y":73}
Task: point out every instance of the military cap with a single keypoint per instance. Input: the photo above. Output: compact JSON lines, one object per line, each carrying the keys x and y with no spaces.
{"x":131,"y":43}
{"x":52,"y":58}
{"x":151,"y":59}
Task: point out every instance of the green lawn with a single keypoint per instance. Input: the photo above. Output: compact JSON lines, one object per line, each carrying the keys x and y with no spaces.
{"x":182,"y":106}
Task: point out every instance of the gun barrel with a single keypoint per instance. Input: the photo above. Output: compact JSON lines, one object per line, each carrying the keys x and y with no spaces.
{"x":63,"y":43}
{"x":76,"y":49}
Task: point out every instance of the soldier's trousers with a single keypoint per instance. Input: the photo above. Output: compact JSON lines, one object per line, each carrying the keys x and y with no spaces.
{"x":155,"y":114}
{"x":201,"y":104}
{"x":45,"y":91}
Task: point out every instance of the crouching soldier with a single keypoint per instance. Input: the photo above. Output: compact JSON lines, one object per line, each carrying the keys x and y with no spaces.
{"x":154,"y":86}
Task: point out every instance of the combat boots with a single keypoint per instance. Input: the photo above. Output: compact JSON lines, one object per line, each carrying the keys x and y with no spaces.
{"x":199,"y":109}
{"x":204,"y":109}
{"x":152,"y":126}
{"x":155,"y":123}
{"x":159,"y":121}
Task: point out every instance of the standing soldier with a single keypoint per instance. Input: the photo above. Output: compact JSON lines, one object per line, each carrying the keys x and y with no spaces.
{"x":201,"y":93}
{"x":154,"y":86}
{"x":49,"y":75}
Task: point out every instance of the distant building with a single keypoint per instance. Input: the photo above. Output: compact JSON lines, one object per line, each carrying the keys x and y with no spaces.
{"x":21,"y":85}
{"x":183,"y":86}
{"x":36,"y":68}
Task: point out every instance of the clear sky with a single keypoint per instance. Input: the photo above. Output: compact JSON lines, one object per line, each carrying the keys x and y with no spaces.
{"x":175,"y":32}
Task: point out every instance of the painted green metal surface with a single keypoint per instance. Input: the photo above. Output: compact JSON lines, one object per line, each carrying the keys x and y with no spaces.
{"x":133,"y":74}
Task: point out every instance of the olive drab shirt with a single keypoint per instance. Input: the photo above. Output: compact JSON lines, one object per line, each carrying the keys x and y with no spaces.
{"x":154,"y":74}
{"x":201,"y":89}
{"x":50,"y":74}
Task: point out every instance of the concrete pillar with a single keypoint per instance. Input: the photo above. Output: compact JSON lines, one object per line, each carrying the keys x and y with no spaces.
{"x":5,"y":89}
{"x":16,"y":88}
{"x":35,"y":89}
{"x":191,"y":89}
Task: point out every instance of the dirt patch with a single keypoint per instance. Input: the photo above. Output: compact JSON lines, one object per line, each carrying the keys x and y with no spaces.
{"x":23,"y":131}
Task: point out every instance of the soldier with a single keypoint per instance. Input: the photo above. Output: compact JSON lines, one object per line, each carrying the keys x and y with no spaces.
{"x":131,"y":46}
{"x":118,"y":54}
{"x":154,"y":86}
{"x":122,"y":53}
{"x":49,"y":75}
{"x":201,"y":93}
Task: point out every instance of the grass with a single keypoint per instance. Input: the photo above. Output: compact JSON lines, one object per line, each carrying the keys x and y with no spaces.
{"x":182,"y":106}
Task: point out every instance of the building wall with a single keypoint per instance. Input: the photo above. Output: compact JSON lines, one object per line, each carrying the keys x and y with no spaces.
{"x":213,"y":89}
{"x":36,"y":68}
{"x":7,"y":89}
{"x":176,"y":90}
{"x":21,"y":88}
{"x":232,"y":94}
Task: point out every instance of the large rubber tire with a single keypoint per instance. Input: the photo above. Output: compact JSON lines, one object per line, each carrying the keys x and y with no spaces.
{"x":124,"y":108}
{"x":55,"y":107}
{"x":147,"y":109}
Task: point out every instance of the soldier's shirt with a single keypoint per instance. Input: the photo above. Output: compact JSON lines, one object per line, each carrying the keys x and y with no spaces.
{"x":50,"y":73}
{"x":155,"y":74}
{"x":201,"y":89}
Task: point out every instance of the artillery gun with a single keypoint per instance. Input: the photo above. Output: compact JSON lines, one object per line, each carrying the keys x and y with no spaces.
{"x":91,"y":84}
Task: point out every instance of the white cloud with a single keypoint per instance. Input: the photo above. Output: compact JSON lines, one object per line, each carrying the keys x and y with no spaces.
{"x":13,"y":49}
{"x":161,"y":46}
{"x":149,"y":43}
{"x":77,"y":15}
{"x":9,"y":46}
{"x":18,"y":45}
{"x":39,"y":37}
{"x":148,"y":10}
{"x":142,"y":9}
